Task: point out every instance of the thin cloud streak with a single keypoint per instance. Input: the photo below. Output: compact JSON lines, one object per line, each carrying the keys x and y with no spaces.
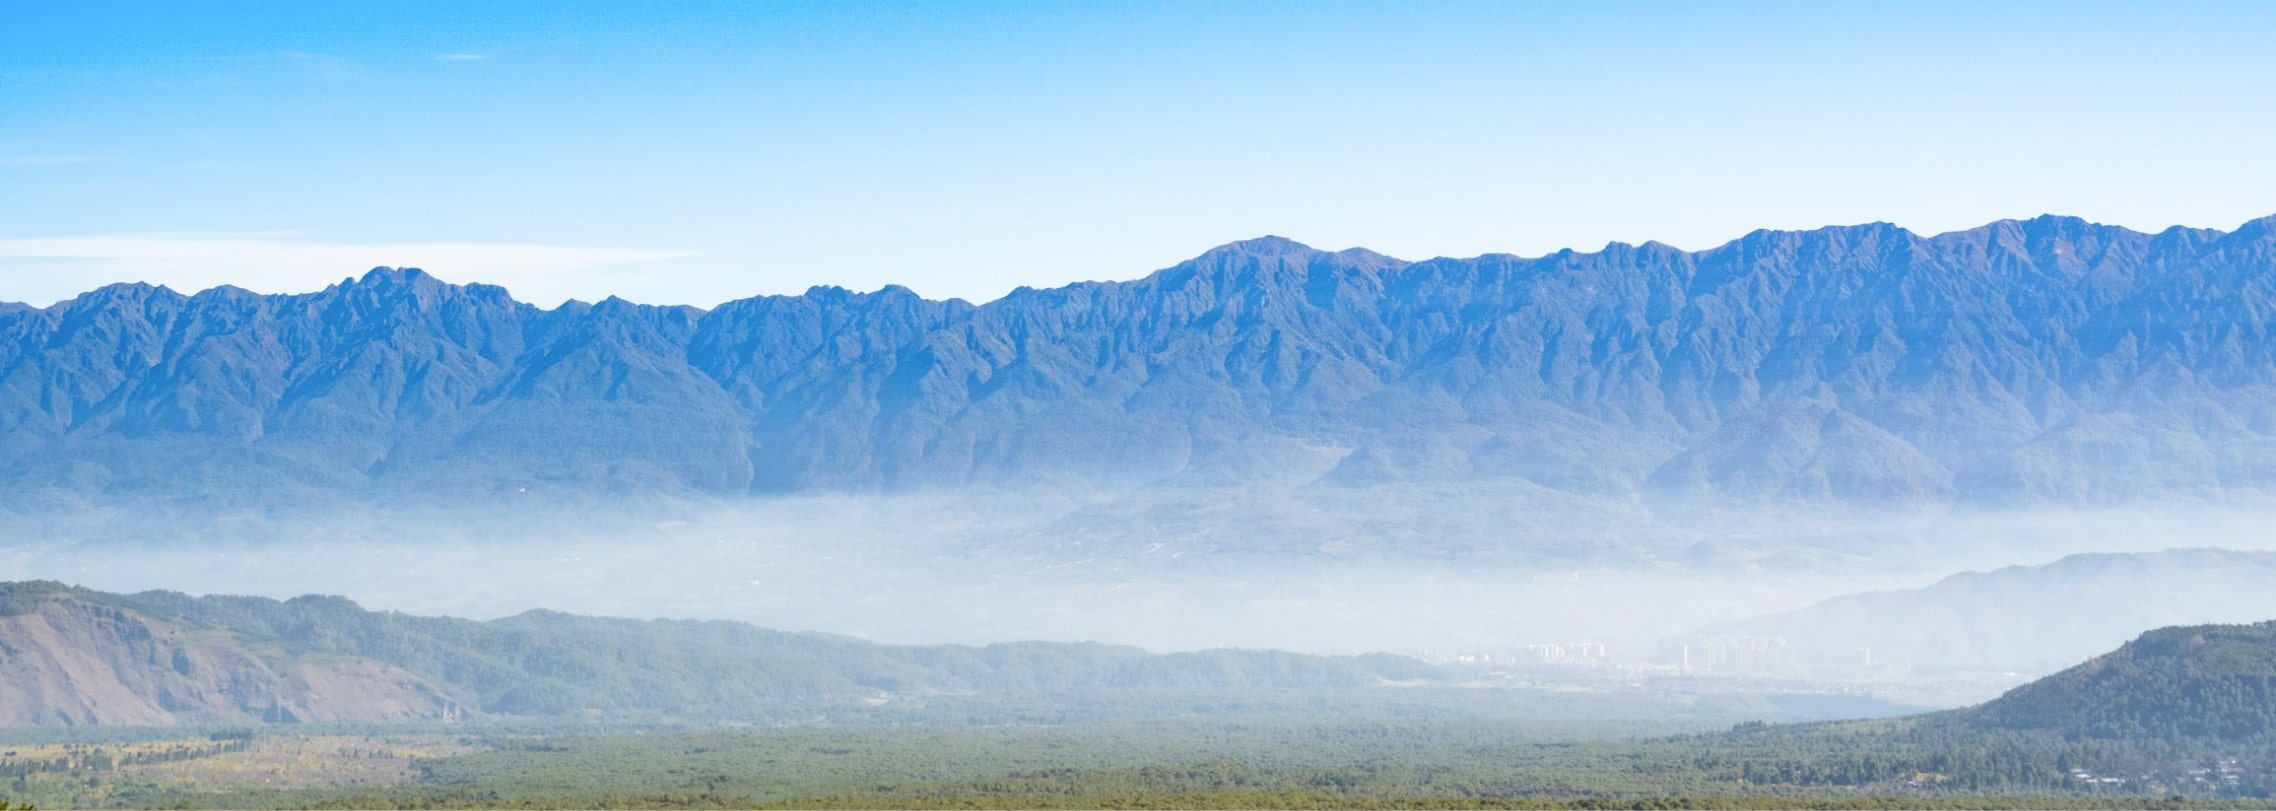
{"x":47,"y":160}
{"x":40,"y":270}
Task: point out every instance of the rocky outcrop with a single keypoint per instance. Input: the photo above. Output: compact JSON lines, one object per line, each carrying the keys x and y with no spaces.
{"x":72,"y":662}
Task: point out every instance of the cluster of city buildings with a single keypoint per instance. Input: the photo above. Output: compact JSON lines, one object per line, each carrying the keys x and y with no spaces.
{"x":1568,"y":653}
{"x":1747,"y":655}
{"x":1733,"y":655}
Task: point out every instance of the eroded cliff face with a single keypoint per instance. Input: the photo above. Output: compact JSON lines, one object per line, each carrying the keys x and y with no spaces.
{"x":72,"y":662}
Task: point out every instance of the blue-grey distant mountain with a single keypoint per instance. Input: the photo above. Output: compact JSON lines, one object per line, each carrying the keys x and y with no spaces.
{"x":2049,"y":360}
{"x":2027,"y":619}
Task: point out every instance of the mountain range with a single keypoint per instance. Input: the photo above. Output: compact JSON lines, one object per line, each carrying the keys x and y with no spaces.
{"x":2048,"y":361}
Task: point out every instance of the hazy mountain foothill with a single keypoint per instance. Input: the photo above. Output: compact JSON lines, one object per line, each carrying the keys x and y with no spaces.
{"x":78,"y":657}
{"x":2177,"y":717}
{"x":2026,"y":619}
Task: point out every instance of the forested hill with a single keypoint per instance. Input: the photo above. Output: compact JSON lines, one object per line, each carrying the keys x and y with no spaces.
{"x":75,"y":656}
{"x":2184,"y":710}
{"x":2190,"y":684}
{"x":2180,"y":711}
{"x":2048,"y":360}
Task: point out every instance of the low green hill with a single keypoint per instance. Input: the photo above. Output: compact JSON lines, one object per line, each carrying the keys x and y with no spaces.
{"x":2188,"y":710}
{"x":2203,"y":683}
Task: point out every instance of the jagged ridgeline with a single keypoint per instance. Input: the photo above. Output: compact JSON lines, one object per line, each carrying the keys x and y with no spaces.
{"x":2050,"y":360}
{"x":74,"y":656}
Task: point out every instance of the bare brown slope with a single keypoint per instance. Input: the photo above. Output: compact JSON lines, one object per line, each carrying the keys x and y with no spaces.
{"x":68,"y":661}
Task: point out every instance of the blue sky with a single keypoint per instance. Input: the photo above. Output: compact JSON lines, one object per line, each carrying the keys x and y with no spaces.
{"x":696,"y":152}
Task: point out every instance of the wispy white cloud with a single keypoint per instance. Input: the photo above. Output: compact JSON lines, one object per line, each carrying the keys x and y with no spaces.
{"x":461,"y":57}
{"x":41,"y":270}
{"x":47,"y":159}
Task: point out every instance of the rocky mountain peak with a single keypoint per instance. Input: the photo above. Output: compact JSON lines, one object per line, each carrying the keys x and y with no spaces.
{"x":1267,"y":245}
{"x":384,"y":276}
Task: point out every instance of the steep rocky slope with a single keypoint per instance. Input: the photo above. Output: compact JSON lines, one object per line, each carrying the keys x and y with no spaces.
{"x":2050,"y":360}
{"x":70,"y":661}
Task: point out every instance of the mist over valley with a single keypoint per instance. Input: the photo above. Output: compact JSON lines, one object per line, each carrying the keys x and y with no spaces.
{"x":1267,"y":446}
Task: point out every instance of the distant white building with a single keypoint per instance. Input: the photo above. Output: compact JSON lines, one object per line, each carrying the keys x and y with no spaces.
{"x":1568,"y":653}
{"x":1744,"y":655}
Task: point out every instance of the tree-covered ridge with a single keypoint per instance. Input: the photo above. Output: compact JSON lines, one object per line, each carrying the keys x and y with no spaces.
{"x":23,"y":597}
{"x":2206,"y":683}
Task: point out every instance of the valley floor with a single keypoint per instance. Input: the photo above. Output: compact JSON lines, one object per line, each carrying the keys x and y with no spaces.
{"x":1200,"y":764}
